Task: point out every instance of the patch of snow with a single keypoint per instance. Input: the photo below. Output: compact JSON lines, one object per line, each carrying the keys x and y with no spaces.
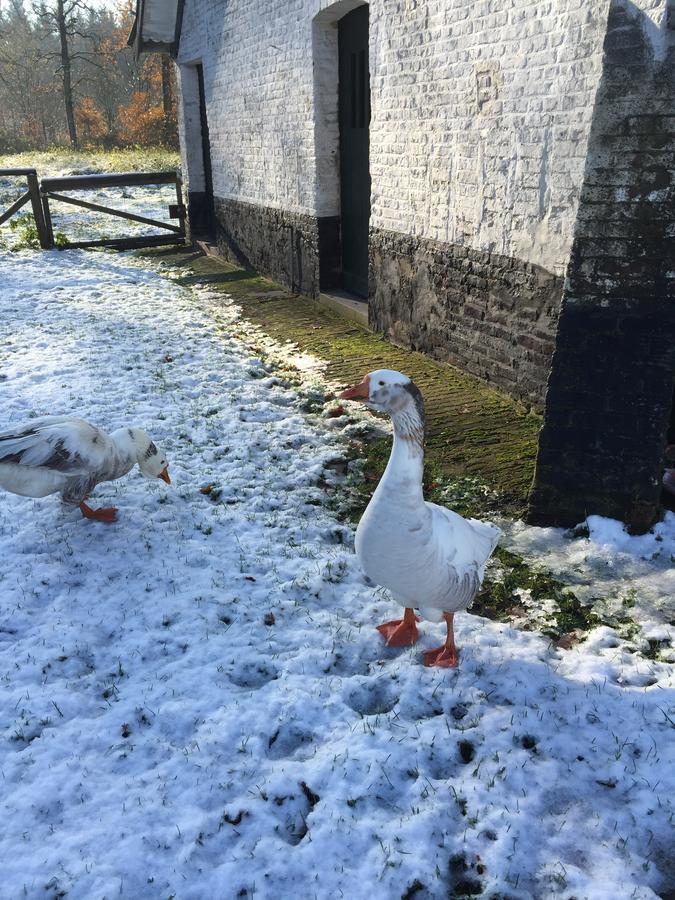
{"x":628,"y":572}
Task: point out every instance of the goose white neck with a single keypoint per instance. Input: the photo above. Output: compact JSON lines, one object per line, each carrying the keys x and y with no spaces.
{"x":406,"y":463}
{"x":128,"y":442}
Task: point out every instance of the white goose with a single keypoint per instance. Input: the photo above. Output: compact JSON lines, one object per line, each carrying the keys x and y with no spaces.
{"x":429,"y":557}
{"x":55,"y":454}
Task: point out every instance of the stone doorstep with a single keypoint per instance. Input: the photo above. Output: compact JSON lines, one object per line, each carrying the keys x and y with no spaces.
{"x":208,"y":247}
{"x":345,"y":305}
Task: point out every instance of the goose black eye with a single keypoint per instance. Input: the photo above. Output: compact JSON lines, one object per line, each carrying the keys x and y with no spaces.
{"x":381,"y":383}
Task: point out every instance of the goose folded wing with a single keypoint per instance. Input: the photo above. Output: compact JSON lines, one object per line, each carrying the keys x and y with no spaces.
{"x":70,"y":446}
{"x":459,"y":589}
{"x":467,"y":541}
{"x":463,"y":585}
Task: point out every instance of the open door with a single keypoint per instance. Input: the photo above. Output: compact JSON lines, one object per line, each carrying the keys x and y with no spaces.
{"x":668,"y":492}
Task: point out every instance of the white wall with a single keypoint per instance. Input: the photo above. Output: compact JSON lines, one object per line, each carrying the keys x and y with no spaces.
{"x":259,"y":93}
{"x":490,"y":104}
{"x":190,"y":130}
{"x":481,"y":111}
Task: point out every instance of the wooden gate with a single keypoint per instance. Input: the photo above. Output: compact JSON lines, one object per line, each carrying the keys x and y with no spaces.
{"x":53,"y":188}
{"x":31,"y":196}
{"x":40,"y":193}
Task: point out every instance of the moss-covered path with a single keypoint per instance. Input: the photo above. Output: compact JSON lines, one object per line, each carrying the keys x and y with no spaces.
{"x":473,"y":431}
{"x":480,"y":448}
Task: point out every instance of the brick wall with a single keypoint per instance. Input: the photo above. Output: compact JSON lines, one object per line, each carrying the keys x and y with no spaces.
{"x":513,"y":143}
{"x":190,"y":133}
{"x":480,"y":117}
{"x":611,"y":388}
{"x":258,"y":82}
{"x":491,"y":315}
{"x":480,"y":113}
{"x":189,"y":128}
{"x":286,"y":246}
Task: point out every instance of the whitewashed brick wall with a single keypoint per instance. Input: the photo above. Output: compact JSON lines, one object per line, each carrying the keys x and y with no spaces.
{"x":189,"y":128}
{"x":481,"y":111}
{"x":490,"y":104}
{"x":258,"y":81}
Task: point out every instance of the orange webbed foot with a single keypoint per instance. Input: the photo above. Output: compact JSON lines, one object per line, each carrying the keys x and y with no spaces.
{"x":445,"y":657}
{"x":400,"y":632}
{"x":107,"y":514}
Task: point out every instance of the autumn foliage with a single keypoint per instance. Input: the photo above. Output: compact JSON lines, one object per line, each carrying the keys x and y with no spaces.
{"x":141,"y":120}
{"x":150,"y":115}
{"x":91,"y":124}
{"x":117,"y":100}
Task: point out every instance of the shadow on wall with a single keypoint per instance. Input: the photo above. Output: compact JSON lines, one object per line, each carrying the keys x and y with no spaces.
{"x":610,"y":393}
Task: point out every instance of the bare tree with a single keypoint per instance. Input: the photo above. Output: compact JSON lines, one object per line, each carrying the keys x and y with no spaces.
{"x":27,"y":93}
{"x":62,"y":55}
{"x":109,"y":84}
{"x":66,"y":19}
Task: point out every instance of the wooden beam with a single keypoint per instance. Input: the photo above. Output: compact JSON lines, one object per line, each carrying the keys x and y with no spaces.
{"x":151,"y":240}
{"x":179,"y":28}
{"x":90,"y":182}
{"x":15,"y":172}
{"x":15,"y":207}
{"x":49,"y":229}
{"x":181,"y":204}
{"x":112,"y":212}
{"x":156,"y":46}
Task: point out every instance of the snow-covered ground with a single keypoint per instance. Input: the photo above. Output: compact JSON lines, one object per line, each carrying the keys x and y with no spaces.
{"x":194,"y":702}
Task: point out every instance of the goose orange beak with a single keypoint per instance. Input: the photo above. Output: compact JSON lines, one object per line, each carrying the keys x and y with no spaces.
{"x":358,"y":392}
{"x":164,"y":475}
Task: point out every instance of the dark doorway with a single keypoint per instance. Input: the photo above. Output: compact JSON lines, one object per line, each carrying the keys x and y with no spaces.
{"x":205,"y":222}
{"x":354,"y":117}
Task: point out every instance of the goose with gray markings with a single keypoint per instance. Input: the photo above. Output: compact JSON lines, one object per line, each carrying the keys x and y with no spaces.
{"x":429,"y":557}
{"x":61,"y":454}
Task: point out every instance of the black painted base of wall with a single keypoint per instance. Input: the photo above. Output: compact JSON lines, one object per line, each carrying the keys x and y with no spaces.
{"x":608,"y":412}
{"x":301,"y":252}
{"x":200,"y":214}
{"x":609,"y":408}
{"x":491,"y":315}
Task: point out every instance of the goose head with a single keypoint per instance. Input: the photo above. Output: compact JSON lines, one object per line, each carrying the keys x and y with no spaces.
{"x":388,"y":391}
{"x":150,"y":458}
